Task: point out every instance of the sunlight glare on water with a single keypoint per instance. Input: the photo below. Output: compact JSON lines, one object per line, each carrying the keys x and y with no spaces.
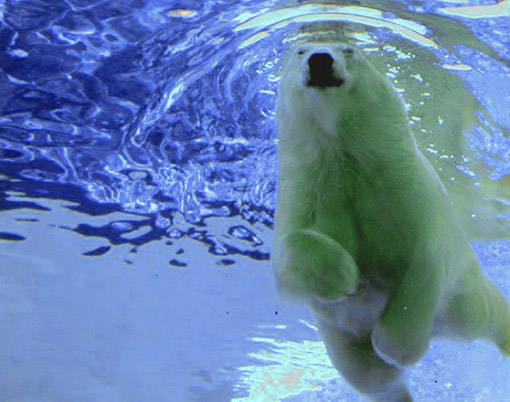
{"x":309,"y":13}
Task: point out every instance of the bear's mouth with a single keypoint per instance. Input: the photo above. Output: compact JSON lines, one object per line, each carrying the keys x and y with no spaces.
{"x":321,"y":72}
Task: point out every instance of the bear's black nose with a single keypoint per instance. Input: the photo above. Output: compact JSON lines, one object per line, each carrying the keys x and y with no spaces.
{"x":321,"y":71}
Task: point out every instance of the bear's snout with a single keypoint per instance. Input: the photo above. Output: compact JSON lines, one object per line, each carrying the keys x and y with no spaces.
{"x":321,"y":71}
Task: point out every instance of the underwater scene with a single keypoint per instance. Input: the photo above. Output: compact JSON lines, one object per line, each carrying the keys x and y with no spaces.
{"x":138,"y":181}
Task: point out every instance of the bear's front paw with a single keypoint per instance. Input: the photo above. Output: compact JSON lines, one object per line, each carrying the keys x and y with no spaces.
{"x":310,"y":264}
{"x":398,"y":349}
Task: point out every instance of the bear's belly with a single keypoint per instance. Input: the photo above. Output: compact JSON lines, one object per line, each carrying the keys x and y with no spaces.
{"x":357,"y":314}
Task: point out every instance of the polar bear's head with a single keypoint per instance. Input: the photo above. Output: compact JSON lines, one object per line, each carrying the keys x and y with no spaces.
{"x":334,"y":89}
{"x":324,"y":66}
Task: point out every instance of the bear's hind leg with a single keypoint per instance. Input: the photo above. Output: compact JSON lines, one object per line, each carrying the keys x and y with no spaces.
{"x":479,"y":310}
{"x":359,"y":365}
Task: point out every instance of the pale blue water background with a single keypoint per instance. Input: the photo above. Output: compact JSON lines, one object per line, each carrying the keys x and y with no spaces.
{"x":138,"y":174}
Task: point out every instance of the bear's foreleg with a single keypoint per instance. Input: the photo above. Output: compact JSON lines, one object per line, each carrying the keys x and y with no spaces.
{"x":401,"y":336}
{"x":310,"y":264}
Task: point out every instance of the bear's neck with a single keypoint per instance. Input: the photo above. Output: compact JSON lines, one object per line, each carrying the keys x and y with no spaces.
{"x":351,"y":151}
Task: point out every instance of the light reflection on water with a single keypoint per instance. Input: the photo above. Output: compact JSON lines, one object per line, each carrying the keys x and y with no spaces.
{"x":310,"y":13}
{"x":286,"y":369}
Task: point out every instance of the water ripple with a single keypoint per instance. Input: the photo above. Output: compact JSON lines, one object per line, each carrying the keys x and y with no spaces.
{"x":164,"y":109}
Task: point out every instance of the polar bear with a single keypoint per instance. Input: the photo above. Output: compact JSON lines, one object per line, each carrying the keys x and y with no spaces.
{"x":364,"y":229}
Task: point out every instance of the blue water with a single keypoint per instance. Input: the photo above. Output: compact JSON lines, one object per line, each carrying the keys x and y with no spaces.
{"x":138,"y":174}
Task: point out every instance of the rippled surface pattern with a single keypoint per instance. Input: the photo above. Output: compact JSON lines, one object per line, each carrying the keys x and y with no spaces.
{"x":146,"y":107}
{"x":137,"y":188}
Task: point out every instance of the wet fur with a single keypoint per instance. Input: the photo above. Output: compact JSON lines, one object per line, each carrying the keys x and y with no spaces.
{"x":365,"y":230}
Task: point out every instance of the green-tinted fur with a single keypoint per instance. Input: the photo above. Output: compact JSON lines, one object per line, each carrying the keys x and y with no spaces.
{"x":359,"y":206}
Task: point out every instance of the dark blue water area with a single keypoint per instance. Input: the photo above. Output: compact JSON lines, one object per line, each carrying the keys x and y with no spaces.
{"x":138,"y":176}
{"x":84,"y":87}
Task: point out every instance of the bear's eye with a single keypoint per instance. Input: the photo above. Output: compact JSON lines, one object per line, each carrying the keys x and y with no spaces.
{"x":349,"y":50}
{"x":301,"y":52}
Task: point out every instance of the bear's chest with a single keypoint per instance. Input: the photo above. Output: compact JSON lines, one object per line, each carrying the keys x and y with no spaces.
{"x":356,"y":314}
